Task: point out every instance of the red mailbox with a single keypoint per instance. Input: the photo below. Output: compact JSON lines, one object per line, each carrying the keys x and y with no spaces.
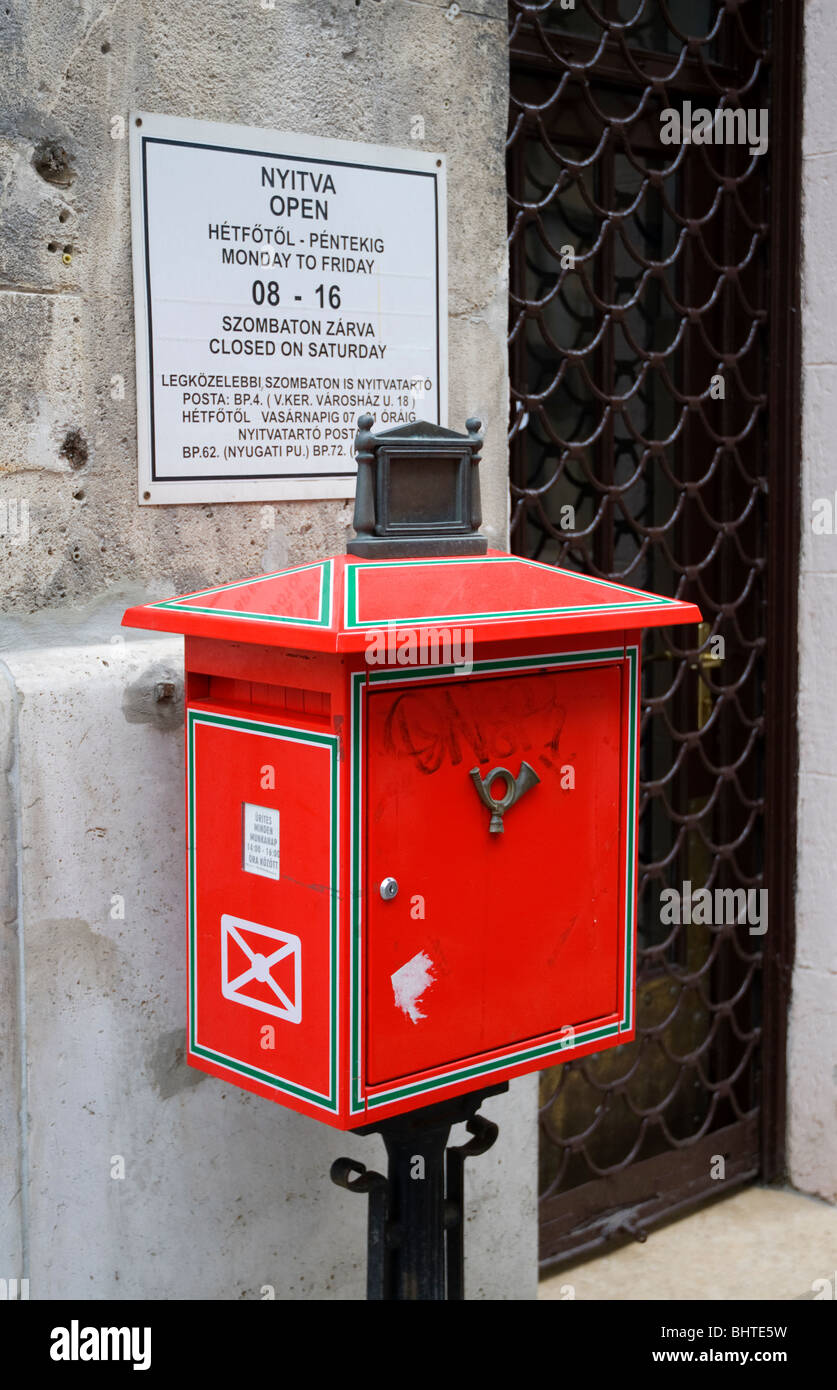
{"x":411,"y":808}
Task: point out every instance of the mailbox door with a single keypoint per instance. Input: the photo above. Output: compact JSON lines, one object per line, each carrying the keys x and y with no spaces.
{"x":262,"y":822}
{"x":496,"y":942}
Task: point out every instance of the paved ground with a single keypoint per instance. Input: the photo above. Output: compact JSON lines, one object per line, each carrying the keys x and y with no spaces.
{"x":765,"y":1243}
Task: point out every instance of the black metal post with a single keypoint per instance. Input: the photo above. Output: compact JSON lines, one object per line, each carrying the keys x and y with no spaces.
{"x":416,"y":1217}
{"x":416,"y":1178}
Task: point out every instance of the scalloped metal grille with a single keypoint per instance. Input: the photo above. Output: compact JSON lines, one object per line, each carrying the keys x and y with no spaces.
{"x":638,"y":351}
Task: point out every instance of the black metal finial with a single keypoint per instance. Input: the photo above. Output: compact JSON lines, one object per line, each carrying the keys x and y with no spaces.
{"x":418,"y":491}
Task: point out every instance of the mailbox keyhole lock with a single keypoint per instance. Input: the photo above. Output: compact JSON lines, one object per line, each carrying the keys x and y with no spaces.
{"x":389,"y":888}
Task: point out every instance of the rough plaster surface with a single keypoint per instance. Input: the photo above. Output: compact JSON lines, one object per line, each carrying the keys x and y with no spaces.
{"x":351,"y":71}
{"x":224,"y":1192}
{"x":11,"y":1176}
{"x":812,"y":1043}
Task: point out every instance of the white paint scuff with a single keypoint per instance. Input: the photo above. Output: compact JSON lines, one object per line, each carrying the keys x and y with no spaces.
{"x":410,"y":982}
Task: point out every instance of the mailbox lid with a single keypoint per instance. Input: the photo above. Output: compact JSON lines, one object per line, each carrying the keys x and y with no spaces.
{"x":340,"y":604}
{"x":496,"y":940}
{"x":496,"y":597}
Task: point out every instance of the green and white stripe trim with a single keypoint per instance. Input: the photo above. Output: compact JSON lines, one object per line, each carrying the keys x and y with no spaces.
{"x":356,"y":873}
{"x":328,"y":1101}
{"x":633,"y":597}
{"x":324,"y":603}
{"x":554,"y":1048}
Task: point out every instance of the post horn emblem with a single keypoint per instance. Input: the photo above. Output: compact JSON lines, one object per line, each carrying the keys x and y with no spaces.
{"x":526,"y":778}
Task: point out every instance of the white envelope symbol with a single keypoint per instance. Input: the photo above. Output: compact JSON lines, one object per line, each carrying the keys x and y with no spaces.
{"x":264,"y":948}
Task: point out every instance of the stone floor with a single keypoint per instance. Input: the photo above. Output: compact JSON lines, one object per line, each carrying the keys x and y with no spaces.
{"x":763,"y":1243}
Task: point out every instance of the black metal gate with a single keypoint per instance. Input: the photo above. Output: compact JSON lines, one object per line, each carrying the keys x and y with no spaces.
{"x":654,"y":365}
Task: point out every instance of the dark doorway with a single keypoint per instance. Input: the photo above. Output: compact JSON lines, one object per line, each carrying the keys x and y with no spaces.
{"x":654,"y":363}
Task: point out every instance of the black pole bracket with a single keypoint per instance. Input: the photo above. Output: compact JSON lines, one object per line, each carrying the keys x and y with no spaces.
{"x":415,"y":1236}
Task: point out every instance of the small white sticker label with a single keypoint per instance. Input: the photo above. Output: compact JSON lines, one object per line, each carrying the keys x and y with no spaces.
{"x":410,"y":982}
{"x":261,"y":841}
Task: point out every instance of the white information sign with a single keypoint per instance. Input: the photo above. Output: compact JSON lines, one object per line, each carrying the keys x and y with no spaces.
{"x":283,"y":285}
{"x":261,"y":840}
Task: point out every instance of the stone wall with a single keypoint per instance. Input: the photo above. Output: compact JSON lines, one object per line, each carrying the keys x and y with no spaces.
{"x":812,"y":1081}
{"x":224,"y":1195}
{"x":343,"y":70}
